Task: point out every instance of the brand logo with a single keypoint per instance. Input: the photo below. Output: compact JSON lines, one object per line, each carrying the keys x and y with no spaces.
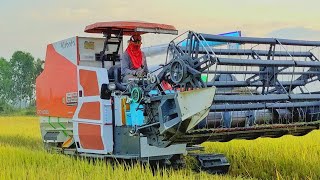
{"x":67,"y":44}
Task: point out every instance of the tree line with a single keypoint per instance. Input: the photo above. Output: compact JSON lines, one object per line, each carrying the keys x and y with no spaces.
{"x":17,"y":79}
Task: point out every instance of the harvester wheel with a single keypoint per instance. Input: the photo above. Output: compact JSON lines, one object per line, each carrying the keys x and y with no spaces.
{"x":178,"y":162}
{"x":212,"y":163}
{"x":52,"y":147}
{"x":48,"y":147}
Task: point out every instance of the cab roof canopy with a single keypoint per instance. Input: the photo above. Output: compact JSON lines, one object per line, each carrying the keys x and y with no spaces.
{"x":130,"y":28}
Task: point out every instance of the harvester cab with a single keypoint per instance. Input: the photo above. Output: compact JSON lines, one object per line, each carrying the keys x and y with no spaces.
{"x":208,"y":90}
{"x":112,"y":48}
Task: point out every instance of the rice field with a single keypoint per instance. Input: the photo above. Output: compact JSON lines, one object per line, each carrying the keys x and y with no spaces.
{"x":23,"y":157}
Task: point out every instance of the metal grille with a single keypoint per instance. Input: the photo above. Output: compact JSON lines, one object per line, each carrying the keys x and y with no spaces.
{"x":262,"y":83}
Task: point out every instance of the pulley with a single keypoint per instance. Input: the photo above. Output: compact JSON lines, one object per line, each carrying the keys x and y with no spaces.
{"x":136,"y":94}
{"x":152,"y":78}
{"x":178,"y":71}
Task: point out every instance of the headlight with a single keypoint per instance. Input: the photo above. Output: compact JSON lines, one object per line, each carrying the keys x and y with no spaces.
{"x":112,"y":86}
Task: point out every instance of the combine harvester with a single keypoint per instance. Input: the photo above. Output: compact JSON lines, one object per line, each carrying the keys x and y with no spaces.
{"x":265,"y":88}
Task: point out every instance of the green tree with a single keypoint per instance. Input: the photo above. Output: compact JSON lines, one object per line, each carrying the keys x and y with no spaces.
{"x":5,"y":81}
{"x":23,"y":76}
{"x":38,"y":68}
{"x":17,"y":78}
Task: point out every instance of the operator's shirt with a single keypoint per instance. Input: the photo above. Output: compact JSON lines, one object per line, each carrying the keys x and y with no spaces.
{"x":127,"y":67}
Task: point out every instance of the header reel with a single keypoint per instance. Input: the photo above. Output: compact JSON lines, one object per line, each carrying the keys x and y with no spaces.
{"x":263,"y":82}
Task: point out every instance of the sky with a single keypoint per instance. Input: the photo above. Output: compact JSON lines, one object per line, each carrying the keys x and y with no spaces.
{"x":29,"y":25}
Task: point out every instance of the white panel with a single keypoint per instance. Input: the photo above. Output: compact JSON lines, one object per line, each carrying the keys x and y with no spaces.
{"x":107,"y":111}
{"x":89,"y":47}
{"x":105,"y":116}
{"x":75,"y":132}
{"x":117,"y":111}
{"x":195,"y":104}
{"x":107,"y":136}
{"x":67,"y":48}
{"x":98,"y":64}
{"x":149,"y":151}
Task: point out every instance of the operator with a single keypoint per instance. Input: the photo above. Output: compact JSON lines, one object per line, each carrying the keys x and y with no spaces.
{"x":133,"y":60}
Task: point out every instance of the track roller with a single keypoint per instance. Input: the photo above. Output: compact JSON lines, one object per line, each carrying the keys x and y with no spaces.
{"x":212,"y":163}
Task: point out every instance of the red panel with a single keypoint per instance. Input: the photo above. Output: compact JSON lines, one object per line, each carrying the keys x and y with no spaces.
{"x":90,"y":110}
{"x":89,"y":82}
{"x":127,"y":26}
{"x":90,"y":136}
{"x":58,"y":78}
